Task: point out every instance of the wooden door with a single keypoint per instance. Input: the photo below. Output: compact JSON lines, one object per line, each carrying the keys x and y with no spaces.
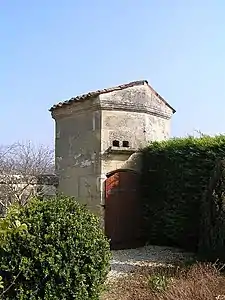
{"x":122,"y":209}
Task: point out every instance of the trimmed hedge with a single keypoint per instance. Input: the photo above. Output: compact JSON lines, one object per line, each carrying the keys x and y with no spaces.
{"x":212,"y":223}
{"x":175,"y":175}
{"x":63,"y":254}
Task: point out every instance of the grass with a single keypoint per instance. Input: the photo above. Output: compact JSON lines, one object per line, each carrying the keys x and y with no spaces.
{"x":199,"y":281}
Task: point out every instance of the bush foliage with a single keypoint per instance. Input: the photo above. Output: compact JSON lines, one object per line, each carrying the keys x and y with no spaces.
{"x":175,"y":175}
{"x":62,"y":254}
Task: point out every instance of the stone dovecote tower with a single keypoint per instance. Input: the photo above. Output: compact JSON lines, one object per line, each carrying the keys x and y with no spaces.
{"x":97,"y":132}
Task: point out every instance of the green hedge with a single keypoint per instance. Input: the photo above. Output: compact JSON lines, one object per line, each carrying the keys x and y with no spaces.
{"x":61,"y":253}
{"x":175,"y":175}
{"x":212,"y":223}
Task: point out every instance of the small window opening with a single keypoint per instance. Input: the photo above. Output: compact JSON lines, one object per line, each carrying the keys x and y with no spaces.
{"x":125,"y":144}
{"x":116,"y":143}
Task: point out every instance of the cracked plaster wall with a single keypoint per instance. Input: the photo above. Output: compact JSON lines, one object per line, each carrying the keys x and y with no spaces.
{"x":77,"y":155}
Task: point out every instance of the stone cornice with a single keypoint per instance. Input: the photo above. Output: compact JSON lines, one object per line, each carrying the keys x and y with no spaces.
{"x":133,"y":107}
{"x":74,"y":109}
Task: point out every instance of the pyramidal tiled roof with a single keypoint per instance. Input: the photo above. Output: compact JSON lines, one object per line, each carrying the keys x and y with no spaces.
{"x":108,"y":90}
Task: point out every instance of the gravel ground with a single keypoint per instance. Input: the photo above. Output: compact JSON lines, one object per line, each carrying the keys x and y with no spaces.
{"x":125,"y":261}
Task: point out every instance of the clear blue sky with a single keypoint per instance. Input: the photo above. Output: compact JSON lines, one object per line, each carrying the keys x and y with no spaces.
{"x":51,"y":50}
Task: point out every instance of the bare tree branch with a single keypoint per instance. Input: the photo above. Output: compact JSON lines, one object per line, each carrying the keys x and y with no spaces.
{"x":20,"y":166}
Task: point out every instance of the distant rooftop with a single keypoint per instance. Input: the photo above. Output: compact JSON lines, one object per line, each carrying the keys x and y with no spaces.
{"x":108,"y":90}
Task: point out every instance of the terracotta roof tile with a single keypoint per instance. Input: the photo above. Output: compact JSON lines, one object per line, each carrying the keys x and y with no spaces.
{"x":103,"y":91}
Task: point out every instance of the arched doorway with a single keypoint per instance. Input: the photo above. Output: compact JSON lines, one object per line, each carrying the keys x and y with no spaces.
{"x":123,"y":209}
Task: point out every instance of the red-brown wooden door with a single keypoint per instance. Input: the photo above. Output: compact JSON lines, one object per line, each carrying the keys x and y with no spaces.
{"x":122,"y":209}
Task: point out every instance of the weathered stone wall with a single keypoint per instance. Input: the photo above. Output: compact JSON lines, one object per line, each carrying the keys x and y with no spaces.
{"x":113,"y":161}
{"x":135,"y":115}
{"x":85,"y":131}
{"x":77,"y":152}
{"x":18,"y":187}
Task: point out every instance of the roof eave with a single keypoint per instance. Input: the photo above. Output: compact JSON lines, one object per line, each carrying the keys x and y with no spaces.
{"x":160,"y":97}
{"x":108,"y":90}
